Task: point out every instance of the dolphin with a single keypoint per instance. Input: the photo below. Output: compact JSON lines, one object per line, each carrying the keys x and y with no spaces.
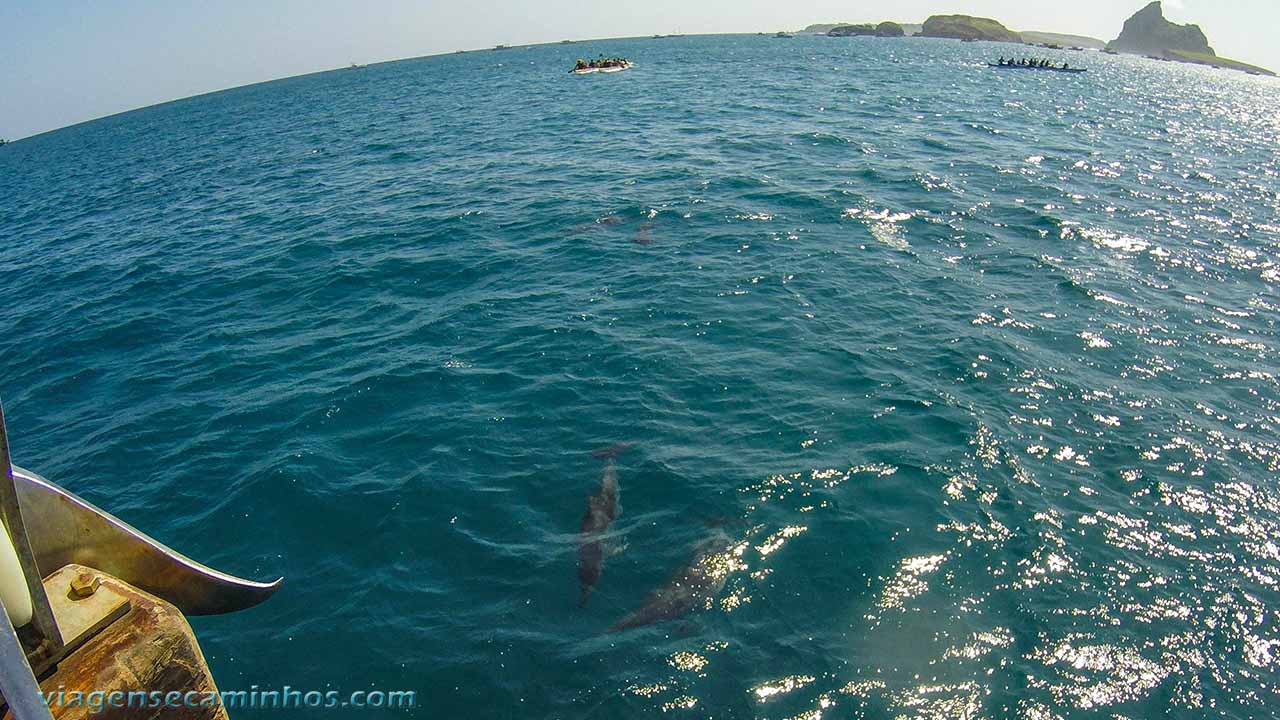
{"x":692,"y":587}
{"x":602,"y":510}
{"x":644,"y":236}
{"x":608,"y":221}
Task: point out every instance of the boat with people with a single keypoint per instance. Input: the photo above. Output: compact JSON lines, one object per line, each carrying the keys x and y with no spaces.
{"x":601,"y":64}
{"x":1034,"y":64}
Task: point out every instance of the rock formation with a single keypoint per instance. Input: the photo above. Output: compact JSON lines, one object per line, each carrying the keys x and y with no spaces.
{"x":1149,"y":33}
{"x":965,"y":27}
{"x":884,"y":29}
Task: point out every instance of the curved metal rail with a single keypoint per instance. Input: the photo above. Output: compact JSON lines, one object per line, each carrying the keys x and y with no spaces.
{"x":63,"y":528}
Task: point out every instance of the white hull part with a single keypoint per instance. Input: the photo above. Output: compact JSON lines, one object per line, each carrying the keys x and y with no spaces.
{"x":13,"y":584}
{"x":588,"y":71}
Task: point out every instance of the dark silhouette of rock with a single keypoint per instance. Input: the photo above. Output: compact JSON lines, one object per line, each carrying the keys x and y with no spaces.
{"x":884,"y":29}
{"x":1071,"y":41}
{"x":966,"y":27}
{"x":1149,"y":33}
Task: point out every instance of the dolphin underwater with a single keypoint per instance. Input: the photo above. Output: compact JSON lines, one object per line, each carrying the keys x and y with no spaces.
{"x":602,"y":510}
{"x":692,"y":587}
{"x":644,"y":236}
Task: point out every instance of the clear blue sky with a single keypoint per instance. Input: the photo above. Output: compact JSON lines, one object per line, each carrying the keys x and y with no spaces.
{"x":66,"y":61}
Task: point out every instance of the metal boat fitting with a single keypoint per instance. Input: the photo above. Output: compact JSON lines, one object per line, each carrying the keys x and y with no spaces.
{"x":65,"y":529}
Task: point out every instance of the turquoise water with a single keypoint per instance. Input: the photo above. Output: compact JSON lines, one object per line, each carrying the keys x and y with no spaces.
{"x":977,"y":371}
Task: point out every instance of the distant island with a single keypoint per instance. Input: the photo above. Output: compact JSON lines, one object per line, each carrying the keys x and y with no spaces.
{"x":1146,"y":33}
{"x":884,"y":29}
{"x":1149,"y":33}
{"x":967,"y":27}
{"x":908,"y":29}
{"x":1047,"y":38}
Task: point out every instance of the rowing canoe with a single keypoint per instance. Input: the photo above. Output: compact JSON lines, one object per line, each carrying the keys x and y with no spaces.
{"x":1034,"y":67}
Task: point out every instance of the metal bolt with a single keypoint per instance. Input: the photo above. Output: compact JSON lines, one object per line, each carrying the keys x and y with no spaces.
{"x":85,"y":584}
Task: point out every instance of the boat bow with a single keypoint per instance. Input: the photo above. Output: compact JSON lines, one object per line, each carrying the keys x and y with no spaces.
{"x":64,"y":528}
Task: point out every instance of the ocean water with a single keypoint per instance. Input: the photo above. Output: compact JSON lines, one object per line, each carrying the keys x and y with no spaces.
{"x":975,"y":370}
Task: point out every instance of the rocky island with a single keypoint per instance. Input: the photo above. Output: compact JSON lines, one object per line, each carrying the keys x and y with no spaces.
{"x":966,"y":27}
{"x":908,"y":30}
{"x":1048,"y":38}
{"x":1149,"y":33}
{"x":1146,"y":33}
{"x":884,"y":29}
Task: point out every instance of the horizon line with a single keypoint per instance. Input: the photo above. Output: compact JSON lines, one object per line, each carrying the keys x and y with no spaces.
{"x":442,"y":53}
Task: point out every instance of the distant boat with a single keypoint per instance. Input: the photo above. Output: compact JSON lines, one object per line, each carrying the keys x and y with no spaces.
{"x":357,"y":67}
{"x":1050,"y":68}
{"x":784,"y":35}
{"x":626,"y":65}
{"x":566,"y":42}
{"x":501,"y":47}
{"x":3,"y":141}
